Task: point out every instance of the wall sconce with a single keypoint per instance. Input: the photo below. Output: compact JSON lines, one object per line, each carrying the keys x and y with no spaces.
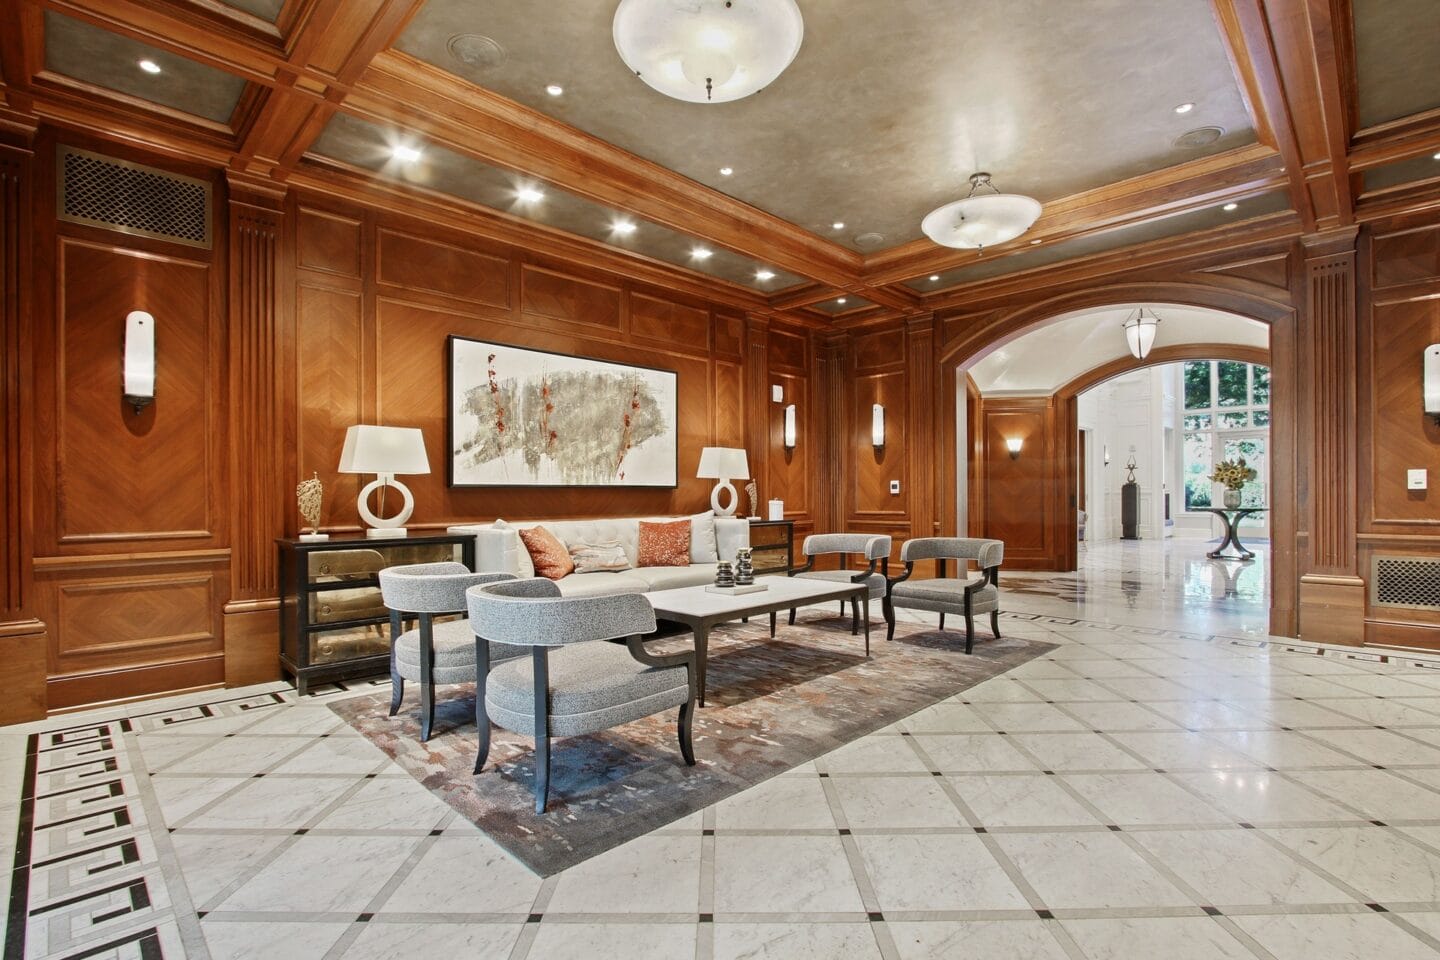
{"x":1014,"y":444}
{"x":139,"y":362}
{"x":1107,"y":454}
{"x":877,"y":426}
{"x":789,"y":433}
{"x":1432,"y":380}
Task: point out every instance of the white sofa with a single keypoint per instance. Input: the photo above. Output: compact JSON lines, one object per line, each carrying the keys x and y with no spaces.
{"x":498,"y":550}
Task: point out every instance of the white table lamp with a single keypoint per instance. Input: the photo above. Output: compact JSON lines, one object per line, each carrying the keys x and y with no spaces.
{"x":723,"y":464}
{"x":384,"y":451}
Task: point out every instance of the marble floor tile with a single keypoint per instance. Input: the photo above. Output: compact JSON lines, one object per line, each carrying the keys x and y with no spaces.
{"x":381,"y":940}
{"x":236,"y":940}
{"x":1027,"y":717}
{"x":952,"y":872}
{"x":783,"y":875}
{"x":975,"y":940}
{"x":1376,"y":794}
{"x":1088,"y":870}
{"x":1020,"y":801}
{"x":387,"y":803}
{"x":212,"y":862}
{"x":646,"y":875}
{"x":633,"y":941}
{"x":1174,"y":938}
{"x":304,"y":877}
{"x":1138,"y":799}
{"x":1112,"y":717}
{"x":1384,"y":747}
{"x":1210,"y":862}
{"x":344,"y":753}
{"x":1378,"y":862}
{"x":795,"y":941}
{"x":1283,"y":749}
{"x":781,"y":803}
{"x":895,"y":802}
{"x":1076,"y":751}
{"x":273,"y":803}
{"x":1256,"y":796}
{"x":1179,"y":750}
{"x":464,"y":875}
{"x":978,"y":753}
{"x":873,"y":754}
{"x":1334,"y":937}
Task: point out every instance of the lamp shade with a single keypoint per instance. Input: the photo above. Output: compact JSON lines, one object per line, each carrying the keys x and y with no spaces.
{"x":723,"y":463}
{"x":1140,"y":332}
{"x":388,"y":450}
{"x":708,"y":51}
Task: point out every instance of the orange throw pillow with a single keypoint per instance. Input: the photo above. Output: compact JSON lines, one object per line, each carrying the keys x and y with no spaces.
{"x":552,"y":561}
{"x":664,"y":544}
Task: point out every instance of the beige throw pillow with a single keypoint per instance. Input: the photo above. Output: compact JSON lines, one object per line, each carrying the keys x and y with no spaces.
{"x":606,"y":556}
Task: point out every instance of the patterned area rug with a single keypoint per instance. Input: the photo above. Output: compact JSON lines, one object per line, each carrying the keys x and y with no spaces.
{"x":771,"y":706}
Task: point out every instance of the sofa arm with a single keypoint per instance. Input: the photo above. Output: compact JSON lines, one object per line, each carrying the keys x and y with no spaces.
{"x":495,"y":550}
{"x":731,"y":535}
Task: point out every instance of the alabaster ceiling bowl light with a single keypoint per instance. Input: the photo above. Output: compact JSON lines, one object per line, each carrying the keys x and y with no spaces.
{"x":1140,"y":329}
{"x":708,"y":51}
{"x":981,"y":219}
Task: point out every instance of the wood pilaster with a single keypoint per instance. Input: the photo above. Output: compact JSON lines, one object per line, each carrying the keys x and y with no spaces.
{"x":1332,"y":593}
{"x":256,"y":221}
{"x":23,"y":638}
{"x":757,"y":399}
{"x":922,"y":408}
{"x":831,"y":482}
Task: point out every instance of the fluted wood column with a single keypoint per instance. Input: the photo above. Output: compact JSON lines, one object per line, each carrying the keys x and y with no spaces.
{"x":23,"y":637}
{"x":921,"y":407}
{"x":832,"y":487}
{"x":757,"y":400}
{"x":258,"y":483}
{"x":1332,"y":591}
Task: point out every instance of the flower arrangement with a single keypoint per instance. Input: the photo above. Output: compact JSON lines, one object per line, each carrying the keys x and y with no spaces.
{"x":1234,"y":474}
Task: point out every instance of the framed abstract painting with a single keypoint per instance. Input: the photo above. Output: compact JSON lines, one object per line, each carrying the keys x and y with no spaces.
{"x":529,"y":418}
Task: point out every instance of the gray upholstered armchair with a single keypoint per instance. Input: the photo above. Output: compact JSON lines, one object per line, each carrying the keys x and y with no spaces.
{"x":967,"y":594}
{"x":874,"y":549}
{"x":433,"y":653}
{"x":573,"y":682}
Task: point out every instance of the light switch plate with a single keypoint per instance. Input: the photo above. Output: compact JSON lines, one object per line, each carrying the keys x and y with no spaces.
{"x":777,"y":393}
{"x":1417,"y":479}
{"x":894,"y":486}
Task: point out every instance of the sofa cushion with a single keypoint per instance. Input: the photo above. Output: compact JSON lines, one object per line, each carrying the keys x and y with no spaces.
{"x":601,"y":584}
{"x":703,"y":546}
{"x":547,"y":553}
{"x":609,"y":556}
{"x":593,"y":686}
{"x":668,"y":578}
{"x":664,"y":544}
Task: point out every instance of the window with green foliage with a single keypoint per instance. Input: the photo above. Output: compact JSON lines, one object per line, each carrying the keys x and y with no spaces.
{"x":1221,"y":397}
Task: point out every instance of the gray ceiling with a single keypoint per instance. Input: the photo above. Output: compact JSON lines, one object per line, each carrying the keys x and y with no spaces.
{"x":82,"y":52}
{"x":1397,"y":58}
{"x":889,"y":106}
{"x":1216,"y":216}
{"x":1414,"y":170}
{"x":363,"y":144}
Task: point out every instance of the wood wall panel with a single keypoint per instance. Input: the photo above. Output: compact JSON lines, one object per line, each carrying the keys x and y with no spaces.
{"x":1401,"y":436}
{"x":1017,"y":506}
{"x":789,"y":470}
{"x":547,"y":293}
{"x":415,"y":263}
{"x":729,"y":337}
{"x":158,"y":461}
{"x":874,"y":468}
{"x":669,"y":324}
{"x":729,"y":405}
{"x":329,"y":351}
{"x":788,"y":350}
{"x":1406,"y":256}
{"x":162,"y":616}
{"x":328,"y":242}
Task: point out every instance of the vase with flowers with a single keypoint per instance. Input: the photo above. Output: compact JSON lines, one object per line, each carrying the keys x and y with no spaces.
{"x":1233,"y":475}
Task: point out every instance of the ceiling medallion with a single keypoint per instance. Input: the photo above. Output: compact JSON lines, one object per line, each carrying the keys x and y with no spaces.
{"x":1140,"y":329}
{"x":708,"y":51}
{"x":977,"y":222}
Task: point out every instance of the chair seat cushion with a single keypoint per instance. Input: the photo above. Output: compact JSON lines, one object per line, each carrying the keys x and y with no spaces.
{"x":594,"y":685}
{"x":454,"y":645}
{"x":876,"y":582}
{"x":946,"y":595}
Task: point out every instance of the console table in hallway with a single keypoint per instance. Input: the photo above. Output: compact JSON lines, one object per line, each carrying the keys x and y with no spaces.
{"x":1232,"y":520}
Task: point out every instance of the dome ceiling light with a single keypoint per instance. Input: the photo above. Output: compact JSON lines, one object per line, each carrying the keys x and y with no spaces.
{"x":982,"y":220}
{"x":1140,"y":329}
{"x":708,"y":51}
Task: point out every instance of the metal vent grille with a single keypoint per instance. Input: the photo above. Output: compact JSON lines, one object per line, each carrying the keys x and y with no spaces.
{"x":1405,"y":582}
{"x":130,"y":198}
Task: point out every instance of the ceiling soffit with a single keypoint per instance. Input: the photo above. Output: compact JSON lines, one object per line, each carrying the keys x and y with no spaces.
{"x":888,"y":107}
{"x":1397,"y":58}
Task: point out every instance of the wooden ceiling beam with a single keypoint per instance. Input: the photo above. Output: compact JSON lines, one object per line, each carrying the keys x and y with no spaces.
{"x":1403,"y":139}
{"x":1210,"y":181}
{"x":491,"y":128}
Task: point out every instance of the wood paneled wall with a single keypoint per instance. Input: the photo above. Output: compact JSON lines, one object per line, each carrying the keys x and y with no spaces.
{"x":1024,"y":500}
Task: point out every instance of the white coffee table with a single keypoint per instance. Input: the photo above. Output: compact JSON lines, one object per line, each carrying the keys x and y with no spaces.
{"x":700,"y":610}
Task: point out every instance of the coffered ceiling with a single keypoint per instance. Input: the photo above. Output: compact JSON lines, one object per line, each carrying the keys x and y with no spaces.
{"x":1328,"y":113}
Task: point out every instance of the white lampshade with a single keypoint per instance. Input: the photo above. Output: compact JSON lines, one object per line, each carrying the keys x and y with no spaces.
{"x":877,"y":425}
{"x":723,"y":463}
{"x":708,"y":51}
{"x":1140,"y":330}
{"x":384,"y":450}
{"x":981,"y":221}
{"x":790,"y":431}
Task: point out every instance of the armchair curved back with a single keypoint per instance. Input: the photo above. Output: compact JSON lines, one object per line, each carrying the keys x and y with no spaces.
{"x":871,"y":547}
{"x":986,"y":553}
{"x":531,"y":613}
{"x":433,"y":588}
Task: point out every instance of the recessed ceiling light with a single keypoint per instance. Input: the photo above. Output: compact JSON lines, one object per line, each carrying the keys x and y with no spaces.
{"x":149,"y":66}
{"x":1437,"y":156}
{"x":726,"y":171}
{"x":934,"y":277}
{"x":554,"y":89}
{"x":838,"y":225}
{"x":623,"y":227}
{"x":700,"y":253}
{"x":1230,"y":206}
{"x":1185,"y":108}
{"x":840,"y":300}
{"x":529,"y":194}
{"x":1033,"y":242}
{"x":764,"y":275}
{"x":405,"y":153}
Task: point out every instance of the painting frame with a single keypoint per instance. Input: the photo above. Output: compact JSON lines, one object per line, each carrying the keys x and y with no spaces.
{"x":453,"y":473}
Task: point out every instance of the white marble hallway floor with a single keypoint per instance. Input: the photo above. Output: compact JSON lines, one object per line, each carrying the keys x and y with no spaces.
{"x":1168,"y":782}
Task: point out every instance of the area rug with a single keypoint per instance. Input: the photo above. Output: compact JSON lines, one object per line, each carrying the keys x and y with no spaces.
{"x":771,"y":706}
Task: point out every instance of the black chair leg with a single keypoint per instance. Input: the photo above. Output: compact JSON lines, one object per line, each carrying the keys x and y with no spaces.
{"x":397,"y":682}
{"x":772,"y":623}
{"x":541,"y":695}
{"x":854,"y":618}
{"x":942,"y":621}
{"x":887,"y":610}
{"x":995,"y":623}
{"x":969,"y":633}
{"x":427,"y":678}
{"x":482,"y":717}
{"x":542,"y":773}
{"x":683,"y":727}
{"x":792,"y":616}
